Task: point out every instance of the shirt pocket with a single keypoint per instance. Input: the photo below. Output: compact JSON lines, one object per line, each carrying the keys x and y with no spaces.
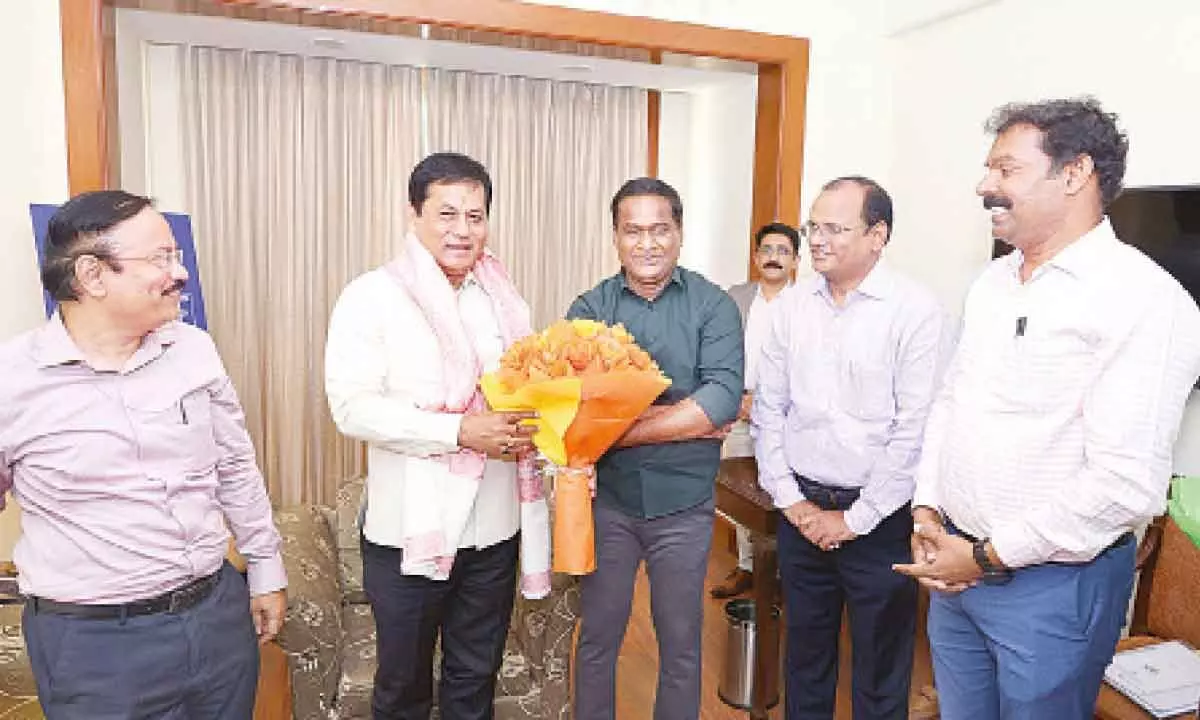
{"x":197,"y":414}
{"x":865,"y":387}
{"x":179,"y":437}
{"x":1046,"y":373}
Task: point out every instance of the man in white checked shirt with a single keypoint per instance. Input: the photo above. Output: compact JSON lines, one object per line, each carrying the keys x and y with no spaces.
{"x":1051,"y":439}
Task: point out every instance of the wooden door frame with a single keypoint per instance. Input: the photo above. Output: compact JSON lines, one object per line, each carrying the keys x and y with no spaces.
{"x":782,"y":75}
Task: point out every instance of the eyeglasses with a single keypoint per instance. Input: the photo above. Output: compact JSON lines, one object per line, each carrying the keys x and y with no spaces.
{"x":779,"y":251}
{"x":163,"y":259}
{"x":811,"y":230}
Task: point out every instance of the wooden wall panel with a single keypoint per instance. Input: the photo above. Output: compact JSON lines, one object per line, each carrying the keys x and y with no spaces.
{"x":265,"y":14}
{"x":791,"y":135}
{"x":84,"y":90}
{"x":653,"y":121}
{"x":767,"y":159}
{"x":509,"y":16}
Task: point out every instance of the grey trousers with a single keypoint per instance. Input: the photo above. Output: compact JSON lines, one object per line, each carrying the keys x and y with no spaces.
{"x":675,"y":548}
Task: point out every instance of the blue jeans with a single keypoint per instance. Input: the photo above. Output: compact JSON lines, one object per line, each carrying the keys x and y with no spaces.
{"x":1033,"y":648}
{"x":198,"y":664}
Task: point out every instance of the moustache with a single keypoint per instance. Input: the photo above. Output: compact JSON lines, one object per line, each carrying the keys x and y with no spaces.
{"x":774,"y":265}
{"x":996,"y":201}
{"x":177,"y":286}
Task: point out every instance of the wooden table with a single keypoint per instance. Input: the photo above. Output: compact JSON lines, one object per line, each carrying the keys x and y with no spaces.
{"x":740,"y":497}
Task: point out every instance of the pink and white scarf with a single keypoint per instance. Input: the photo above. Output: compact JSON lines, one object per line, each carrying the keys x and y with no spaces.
{"x":435,"y":516}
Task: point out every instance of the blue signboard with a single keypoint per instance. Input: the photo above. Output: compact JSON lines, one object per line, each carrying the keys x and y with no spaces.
{"x":191,"y":303}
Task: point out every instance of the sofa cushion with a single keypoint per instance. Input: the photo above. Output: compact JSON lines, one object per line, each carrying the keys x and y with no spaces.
{"x":18,"y":693}
{"x":344,"y":519}
{"x":358,"y":662}
{"x":526,"y":707}
{"x":312,"y":633}
{"x":534,"y":678}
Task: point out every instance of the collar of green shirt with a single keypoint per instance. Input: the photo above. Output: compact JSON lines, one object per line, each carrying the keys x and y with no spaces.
{"x":676,"y":278}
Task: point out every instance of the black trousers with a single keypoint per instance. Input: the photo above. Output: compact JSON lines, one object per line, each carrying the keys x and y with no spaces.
{"x":471,"y":611}
{"x":882,"y":607}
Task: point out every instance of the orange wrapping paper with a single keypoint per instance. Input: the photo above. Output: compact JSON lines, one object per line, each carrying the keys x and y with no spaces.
{"x":608,"y":405}
{"x":579,"y":420}
{"x":573,"y":541}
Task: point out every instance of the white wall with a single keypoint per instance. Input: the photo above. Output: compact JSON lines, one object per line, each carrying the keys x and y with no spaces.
{"x":706,"y":151}
{"x":1139,"y":59}
{"x":849,"y":87}
{"x":34,"y":156}
{"x":33,"y":148}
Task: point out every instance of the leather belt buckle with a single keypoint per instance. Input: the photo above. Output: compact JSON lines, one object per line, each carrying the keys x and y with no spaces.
{"x":190,"y":595}
{"x":177,"y":601}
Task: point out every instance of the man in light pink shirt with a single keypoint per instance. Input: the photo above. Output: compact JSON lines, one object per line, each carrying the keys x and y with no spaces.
{"x":845,"y":381}
{"x":123,"y":440}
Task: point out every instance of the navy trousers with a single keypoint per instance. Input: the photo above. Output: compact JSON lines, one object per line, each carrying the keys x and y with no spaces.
{"x":470,"y":611}
{"x":882,"y":607}
{"x":199,"y":664}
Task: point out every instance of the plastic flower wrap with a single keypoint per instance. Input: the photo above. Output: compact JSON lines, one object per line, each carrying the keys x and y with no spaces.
{"x":588,"y":382}
{"x":1184,"y":506}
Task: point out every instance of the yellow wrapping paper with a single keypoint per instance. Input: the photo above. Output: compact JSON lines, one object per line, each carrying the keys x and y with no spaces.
{"x":579,"y":419}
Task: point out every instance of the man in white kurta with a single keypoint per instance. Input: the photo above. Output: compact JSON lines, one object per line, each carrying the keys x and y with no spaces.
{"x":407,"y":343}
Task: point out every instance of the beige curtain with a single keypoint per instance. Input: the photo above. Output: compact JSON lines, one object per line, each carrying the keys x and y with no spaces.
{"x":297,"y":174}
{"x":297,"y":182}
{"x":556,"y":151}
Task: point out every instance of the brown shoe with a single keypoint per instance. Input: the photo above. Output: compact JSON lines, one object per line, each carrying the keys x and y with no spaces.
{"x":736,"y":582}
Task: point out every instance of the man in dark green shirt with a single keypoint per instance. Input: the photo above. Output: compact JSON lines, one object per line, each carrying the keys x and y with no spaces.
{"x":654,"y":496}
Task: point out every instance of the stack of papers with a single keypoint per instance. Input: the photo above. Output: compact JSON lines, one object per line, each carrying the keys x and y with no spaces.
{"x":1164,"y":678}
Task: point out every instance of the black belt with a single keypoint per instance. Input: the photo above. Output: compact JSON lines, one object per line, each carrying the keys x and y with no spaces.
{"x":827,"y":497}
{"x":175,"y":601}
{"x":1119,"y":542}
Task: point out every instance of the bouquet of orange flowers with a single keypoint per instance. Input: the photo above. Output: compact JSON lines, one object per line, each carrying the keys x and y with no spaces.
{"x":588,"y":383}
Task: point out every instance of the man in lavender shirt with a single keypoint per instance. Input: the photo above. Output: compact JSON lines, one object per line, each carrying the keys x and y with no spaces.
{"x":123,"y":440}
{"x":845,"y":381}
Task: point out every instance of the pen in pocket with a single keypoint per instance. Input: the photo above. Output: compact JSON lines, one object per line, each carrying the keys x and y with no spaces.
{"x":183,"y":413}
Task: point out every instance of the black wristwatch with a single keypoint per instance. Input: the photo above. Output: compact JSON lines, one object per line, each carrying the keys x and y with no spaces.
{"x":992,"y":574}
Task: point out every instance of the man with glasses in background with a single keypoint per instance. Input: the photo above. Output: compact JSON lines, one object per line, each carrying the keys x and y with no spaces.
{"x":123,"y":440}
{"x":776,"y":246}
{"x":845,"y":381}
